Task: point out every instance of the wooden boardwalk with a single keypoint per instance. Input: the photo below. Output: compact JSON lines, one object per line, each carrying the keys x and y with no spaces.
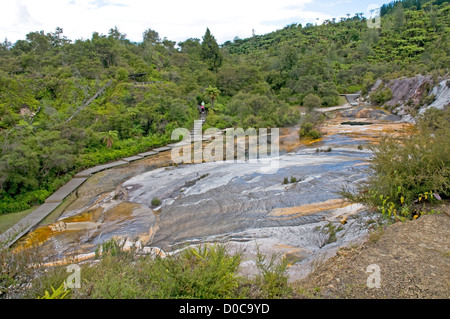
{"x":13,"y":234}
{"x":66,"y":190}
{"x":88,"y":172}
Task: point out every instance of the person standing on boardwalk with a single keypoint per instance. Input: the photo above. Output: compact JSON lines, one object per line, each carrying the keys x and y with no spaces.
{"x":203,"y":107}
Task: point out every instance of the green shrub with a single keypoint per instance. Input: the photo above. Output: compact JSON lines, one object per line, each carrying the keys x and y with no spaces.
{"x":307,"y":130}
{"x":312,"y":101}
{"x":381,"y":95}
{"x":60,"y":293}
{"x":309,"y":125}
{"x":315,"y":134}
{"x":272,"y":279}
{"x":23,"y":201}
{"x":409,"y":169}
{"x":156,"y":202}
{"x":16,"y":275}
{"x":207,"y":272}
{"x":328,"y":150}
{"x":204,"y":272}
{"x":111,"y":247}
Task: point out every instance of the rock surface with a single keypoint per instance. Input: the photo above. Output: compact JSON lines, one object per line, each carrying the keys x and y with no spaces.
{"x":413,"y":96}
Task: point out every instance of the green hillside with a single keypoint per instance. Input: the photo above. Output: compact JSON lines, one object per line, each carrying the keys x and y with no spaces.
{"x":49,"y":131}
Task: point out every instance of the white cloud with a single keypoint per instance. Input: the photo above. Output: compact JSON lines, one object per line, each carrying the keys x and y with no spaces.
{"x":176,"y":20}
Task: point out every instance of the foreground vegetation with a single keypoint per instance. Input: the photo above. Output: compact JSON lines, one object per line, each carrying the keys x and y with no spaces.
{"x":205,"y":272}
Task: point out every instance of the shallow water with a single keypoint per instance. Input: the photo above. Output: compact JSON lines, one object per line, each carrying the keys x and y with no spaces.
{"x":235,"y":203}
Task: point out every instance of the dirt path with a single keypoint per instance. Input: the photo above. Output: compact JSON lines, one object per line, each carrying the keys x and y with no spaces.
{"x":413,"y":260}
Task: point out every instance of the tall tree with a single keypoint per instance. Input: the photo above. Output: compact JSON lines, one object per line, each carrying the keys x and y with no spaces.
{"x":210,"y":52}
{"x":213,"y":93}
{"x":151,"y":36}
{"x":110,"y":137}
{"x":399,"y":17}
{"x":116,"y":34}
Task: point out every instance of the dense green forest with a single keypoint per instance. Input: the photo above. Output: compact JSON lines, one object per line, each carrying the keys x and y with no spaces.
{"x":48,"y":131}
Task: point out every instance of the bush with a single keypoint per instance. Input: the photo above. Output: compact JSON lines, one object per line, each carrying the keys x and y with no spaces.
{"x":292,"y":180}
{"x":409,"y":169}
{"x":381,"y":95}
{"x":308,"y":129}
{"x":272,"y":280}
{"x":23,"y":201}
{"x":314,"y":134}
{"x":312,"y":101}
{"x":204,"y":272}
{"x":156,"y":202}
{"x":207,"y":271}
{"x":112,"y":247}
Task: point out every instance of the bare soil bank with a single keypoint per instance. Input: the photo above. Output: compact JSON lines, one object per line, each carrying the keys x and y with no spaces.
{"x":414,"y":261}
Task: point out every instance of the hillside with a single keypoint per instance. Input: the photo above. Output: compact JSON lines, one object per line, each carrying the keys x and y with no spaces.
{"x":56,"y":120}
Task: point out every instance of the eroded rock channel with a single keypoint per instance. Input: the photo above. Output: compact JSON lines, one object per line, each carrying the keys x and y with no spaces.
{"x":233,"y":203}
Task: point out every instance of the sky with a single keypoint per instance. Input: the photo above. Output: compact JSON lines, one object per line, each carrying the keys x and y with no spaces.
{"x":175,"y":20}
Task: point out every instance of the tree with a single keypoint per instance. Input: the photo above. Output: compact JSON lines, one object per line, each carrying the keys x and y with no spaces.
{"x":6,"y":45}
{"x":329,"y":94}
{"x":399,"y":17}
{"x":210,"y":52}
{"x":213,"y":93}
{"x":191,"y":46}
{"x":288,"y":57}
{"x":57,"y":39}
{"x":116,"y":34}
{"x":170,"y":45}
{"x":151,"y":36}
{"x":312,"y":101}
{"x":110,"y":137}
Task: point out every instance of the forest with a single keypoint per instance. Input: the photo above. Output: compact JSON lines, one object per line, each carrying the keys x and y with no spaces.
{"x":66,"y":105}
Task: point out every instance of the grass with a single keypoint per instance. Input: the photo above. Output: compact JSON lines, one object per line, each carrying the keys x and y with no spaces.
{"x":376,"y":234}
{"x":327,"y":234}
